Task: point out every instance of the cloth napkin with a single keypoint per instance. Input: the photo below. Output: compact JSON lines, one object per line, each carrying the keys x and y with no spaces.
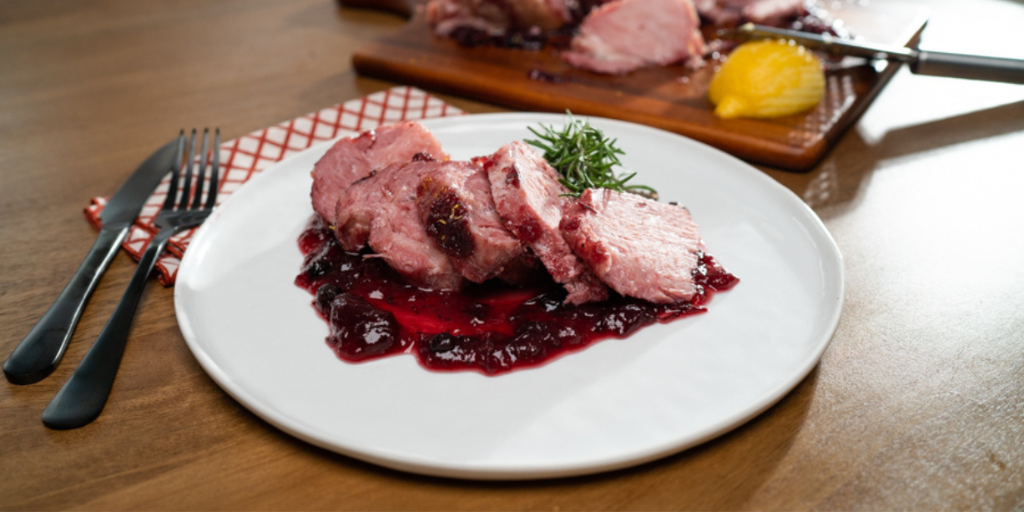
{"x":246,"y":156}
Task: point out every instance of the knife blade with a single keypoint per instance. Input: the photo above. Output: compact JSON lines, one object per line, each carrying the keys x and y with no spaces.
{"x":920,"y":62}
{"x":43,"y":347}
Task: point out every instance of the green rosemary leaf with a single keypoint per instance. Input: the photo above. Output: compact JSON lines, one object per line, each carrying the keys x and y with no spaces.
{"x":584,"y":157}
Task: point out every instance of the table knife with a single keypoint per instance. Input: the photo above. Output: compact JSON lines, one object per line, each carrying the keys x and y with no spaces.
{"x":920,"y":62}
{"x":38,"y":354}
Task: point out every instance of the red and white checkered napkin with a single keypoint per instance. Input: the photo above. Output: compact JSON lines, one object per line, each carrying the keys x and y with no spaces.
{"x":246,"y":156}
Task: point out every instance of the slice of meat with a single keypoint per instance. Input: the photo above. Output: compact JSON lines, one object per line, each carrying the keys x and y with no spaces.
{"x":497,"y":17}
{"x":530,"y":200}
{"x":638,"y":247}
{"x":380,"y":211}
{"x":456,"y":205}
{"x":764,"y":12}
{"x":354,"y":157}
{"x":717,"y":13}
{"x":625,"y":35}
{"x":773,"y":12}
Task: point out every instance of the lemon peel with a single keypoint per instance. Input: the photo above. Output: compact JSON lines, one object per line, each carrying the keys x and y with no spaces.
{"x":765,"y":79}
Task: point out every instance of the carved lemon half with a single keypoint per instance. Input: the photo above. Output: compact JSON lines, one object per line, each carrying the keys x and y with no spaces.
{"x":767,"y":79}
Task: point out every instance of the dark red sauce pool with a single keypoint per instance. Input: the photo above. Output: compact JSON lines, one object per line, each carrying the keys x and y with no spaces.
{"x":492,"y":328}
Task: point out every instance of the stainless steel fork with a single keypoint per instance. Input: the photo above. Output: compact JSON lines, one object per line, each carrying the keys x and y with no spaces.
{"x":83,"y":396}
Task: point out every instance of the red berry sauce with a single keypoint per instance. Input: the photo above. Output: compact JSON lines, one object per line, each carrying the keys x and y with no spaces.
{"x":492,"y":328}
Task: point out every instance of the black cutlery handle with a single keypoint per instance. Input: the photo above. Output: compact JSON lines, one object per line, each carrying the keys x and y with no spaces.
{"x":973,"y":67}
{"x":38,"y":354}
{"x":83,"y":396}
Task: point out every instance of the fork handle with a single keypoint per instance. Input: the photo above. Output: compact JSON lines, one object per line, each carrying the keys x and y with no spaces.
{"x":83,"y":396}
{"x":43,"y":347}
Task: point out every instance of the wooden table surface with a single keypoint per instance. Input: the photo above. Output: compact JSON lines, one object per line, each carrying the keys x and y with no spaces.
{"x":918,"y":403}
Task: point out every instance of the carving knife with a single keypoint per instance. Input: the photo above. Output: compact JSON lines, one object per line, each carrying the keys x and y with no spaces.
{"x":38,"y":354}
{"x":920,"y":62}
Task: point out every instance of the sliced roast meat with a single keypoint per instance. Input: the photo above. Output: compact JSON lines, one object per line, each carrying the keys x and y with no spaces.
{"x":638,"y":247}
{"x":354,"y":157}
{"x":718,"y":12}
{"x":530,"y":200}
{"x":625,"y":35}
{"x":497,"y":17}
{"x":773,"y":12}
{"x":455,"y":203}
{"x":380,"y":210}
{"x":764,"y":12}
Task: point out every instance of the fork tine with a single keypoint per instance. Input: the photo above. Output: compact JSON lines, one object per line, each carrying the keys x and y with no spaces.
{"x":197,"y":200}
{"x":172,"y":186}
{"x":186,"y":187}
{"x":211,"y":198}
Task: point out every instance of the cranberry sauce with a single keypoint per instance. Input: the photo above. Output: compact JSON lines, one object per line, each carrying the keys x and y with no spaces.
{"x":492,"y":328}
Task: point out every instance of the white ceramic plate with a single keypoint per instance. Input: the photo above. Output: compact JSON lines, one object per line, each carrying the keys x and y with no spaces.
{"x":615,"y":404}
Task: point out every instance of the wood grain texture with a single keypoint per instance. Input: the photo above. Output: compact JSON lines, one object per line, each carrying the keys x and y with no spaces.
{"x":672,"y":97}
{"x":918,"y":404}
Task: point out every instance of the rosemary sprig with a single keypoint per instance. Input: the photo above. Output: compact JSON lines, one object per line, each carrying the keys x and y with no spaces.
{"x":584,"y":157}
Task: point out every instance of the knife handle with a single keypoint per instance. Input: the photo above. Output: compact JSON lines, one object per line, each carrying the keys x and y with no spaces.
{"x":84,"y":395}
{"x":38,"y":354}
{"x":974,"y":67}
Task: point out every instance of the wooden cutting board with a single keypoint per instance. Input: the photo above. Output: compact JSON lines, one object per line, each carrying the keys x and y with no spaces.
{"x":671,"y":98}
